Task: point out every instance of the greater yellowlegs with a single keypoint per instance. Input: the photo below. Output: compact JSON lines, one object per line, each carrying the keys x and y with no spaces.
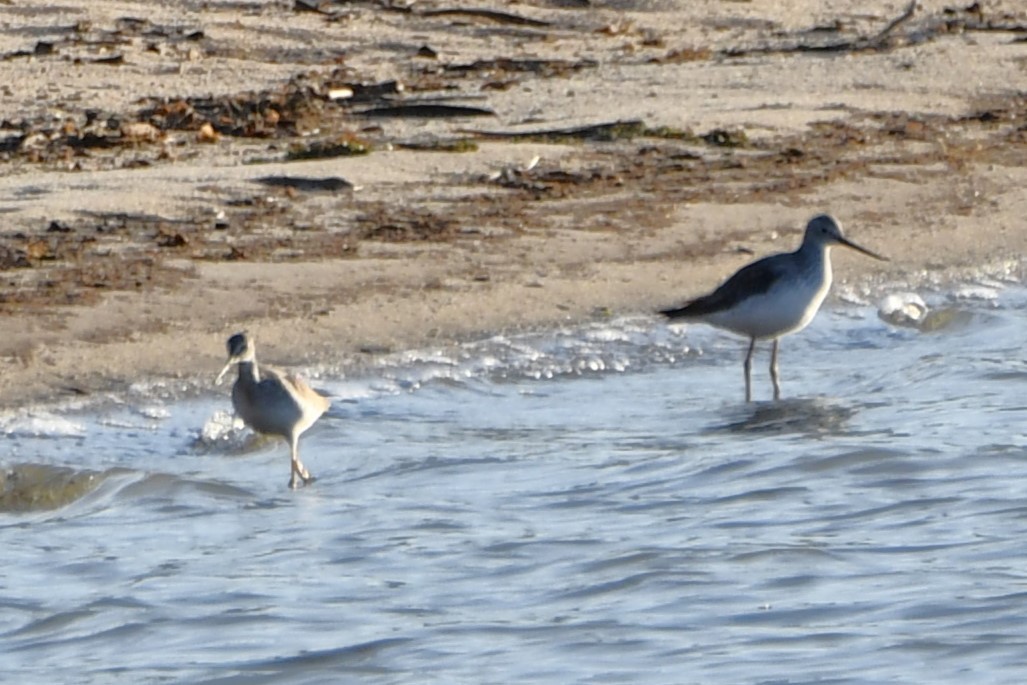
{"x":773,"y":296}
{"x":277,"y":404}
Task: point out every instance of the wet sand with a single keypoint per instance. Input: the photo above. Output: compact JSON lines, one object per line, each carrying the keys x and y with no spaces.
{"x":343,"y":179}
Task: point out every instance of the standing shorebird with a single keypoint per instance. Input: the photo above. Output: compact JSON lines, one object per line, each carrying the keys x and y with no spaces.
{"x":773,"y":296}
{"x":278,"y":404}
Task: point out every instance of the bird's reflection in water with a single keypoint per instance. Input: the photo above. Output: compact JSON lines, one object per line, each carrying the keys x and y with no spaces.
{"x":814,"y":416}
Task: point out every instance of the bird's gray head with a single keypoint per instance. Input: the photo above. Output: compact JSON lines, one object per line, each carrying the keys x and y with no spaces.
{"x":825,"y":230}
{"x":240,"y":349}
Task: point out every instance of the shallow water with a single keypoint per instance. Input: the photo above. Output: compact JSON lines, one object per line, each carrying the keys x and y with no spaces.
{"x":587,"y":505}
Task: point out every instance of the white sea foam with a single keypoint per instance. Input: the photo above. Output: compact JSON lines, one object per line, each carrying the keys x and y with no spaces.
{"x":221,"y":427}
{"x":40,"y":424}
{"x":977,"y":291}
{"x":902,"y":309}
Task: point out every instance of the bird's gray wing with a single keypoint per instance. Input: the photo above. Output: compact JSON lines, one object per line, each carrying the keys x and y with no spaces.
{"x":753,"y":279}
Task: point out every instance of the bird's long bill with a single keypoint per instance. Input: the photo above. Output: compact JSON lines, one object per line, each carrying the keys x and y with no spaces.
{"x":848,"y":243}
{"x":217,"y":381}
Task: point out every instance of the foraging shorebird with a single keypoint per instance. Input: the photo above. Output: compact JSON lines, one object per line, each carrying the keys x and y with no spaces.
{"x":277,"y":404}
{"x":773,"y":296}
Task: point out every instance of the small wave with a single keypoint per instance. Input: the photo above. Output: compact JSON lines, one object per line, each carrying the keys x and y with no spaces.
{"x":168,"y":486}
{"x":358,"y":657}
{"x":40,"y":487}
{"x":33,"y":488}
{"x":787,"y":554}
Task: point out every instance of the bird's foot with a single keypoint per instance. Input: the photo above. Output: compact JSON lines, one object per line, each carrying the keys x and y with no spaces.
{"x":299,"y":480}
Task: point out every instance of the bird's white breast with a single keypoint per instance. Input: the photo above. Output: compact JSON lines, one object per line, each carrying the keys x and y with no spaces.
{"x":786,"y":307}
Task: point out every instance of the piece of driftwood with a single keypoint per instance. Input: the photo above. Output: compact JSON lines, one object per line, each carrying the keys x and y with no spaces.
{"x":605,"y":131}
{"x":328,"y":184}
{"x":426,"y":111}
{"x":966,"y":19}
{"x":876,"y":41}
{"x":491,"y":15}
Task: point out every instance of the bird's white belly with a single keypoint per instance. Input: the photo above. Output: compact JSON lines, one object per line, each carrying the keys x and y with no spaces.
{"x":783,"y":309}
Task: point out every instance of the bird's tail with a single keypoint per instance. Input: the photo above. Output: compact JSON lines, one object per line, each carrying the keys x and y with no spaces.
{"x":684,"y":312}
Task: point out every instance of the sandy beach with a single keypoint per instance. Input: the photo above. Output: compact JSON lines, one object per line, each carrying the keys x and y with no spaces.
{"x":344,"y":179}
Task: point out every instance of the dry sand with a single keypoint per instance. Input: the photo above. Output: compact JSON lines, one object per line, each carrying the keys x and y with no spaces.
{"x":136,"y":238}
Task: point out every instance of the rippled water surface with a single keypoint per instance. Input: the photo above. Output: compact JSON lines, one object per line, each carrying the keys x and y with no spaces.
{"x":594,"y":505}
